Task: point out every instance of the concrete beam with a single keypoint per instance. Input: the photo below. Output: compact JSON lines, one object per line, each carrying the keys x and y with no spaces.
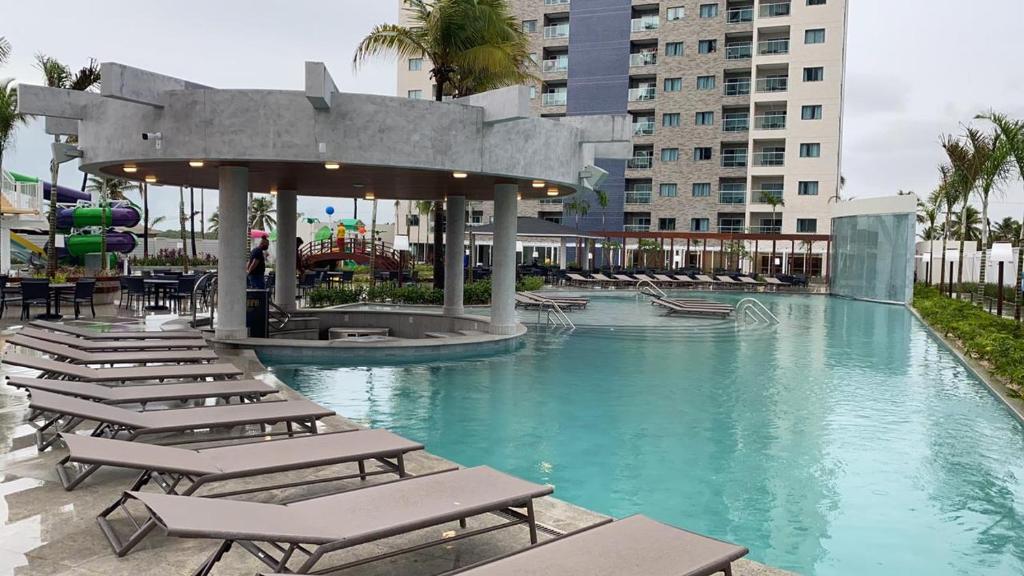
{"x":140,"y":86}
{"x":61,"y":126}
{"x":320,"y":87}
{"x":56,"y":102}
{"x":501,"y":105}
{"x":603,"y":127}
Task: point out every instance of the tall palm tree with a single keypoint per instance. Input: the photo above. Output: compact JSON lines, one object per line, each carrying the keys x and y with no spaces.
{"x":995,"y":168}
{"x":773,"y":201}
{"x":261,"y":211}
{"x":947,"y":195}
{"x":58,"y":75}
{"x":967,"y":225}
{"x":214,"y":228}
{"x":1006,"y":230}
{"x":1012,"y":134}
{"x":181,"y":226}
{"x":10,"y":119}
{"x":966,"y":156}
{"x":472,"y":45}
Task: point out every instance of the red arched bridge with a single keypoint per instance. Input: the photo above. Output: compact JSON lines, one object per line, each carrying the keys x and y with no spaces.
{"x":327,"y":253}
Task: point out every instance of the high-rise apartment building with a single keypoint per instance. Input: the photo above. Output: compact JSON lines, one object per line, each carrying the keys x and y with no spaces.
{"x":735,"y":104}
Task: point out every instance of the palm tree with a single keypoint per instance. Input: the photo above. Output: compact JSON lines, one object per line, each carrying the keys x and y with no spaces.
{"x":261,"y":211}
{"x":1012,"y":134}
{"x":59,"y":75}
{"x":995,"y":168}
{"x":424,"y":208}
{"x":972,"y":232}
{"x":946,"y":195}
{"x":966,"y":156}
{"x":1006,"y":230}
{"x":774,"y":201}
{"x":472,"y":45}
{"x":928,"y":215}
{"x":214,"y":228}
{"x":5,"y":50}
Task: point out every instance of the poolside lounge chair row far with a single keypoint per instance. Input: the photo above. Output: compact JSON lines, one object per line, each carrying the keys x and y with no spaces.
{"x":292,"y":535}
{"x":681,"y":280}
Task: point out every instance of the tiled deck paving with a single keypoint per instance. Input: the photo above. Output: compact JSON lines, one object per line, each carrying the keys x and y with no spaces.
{"x":47,"y":531}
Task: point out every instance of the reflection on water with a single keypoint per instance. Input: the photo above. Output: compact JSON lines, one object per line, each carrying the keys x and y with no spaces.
{"x":843,"y":442}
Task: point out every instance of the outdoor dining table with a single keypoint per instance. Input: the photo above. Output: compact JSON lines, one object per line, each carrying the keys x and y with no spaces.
{"x":55,"y":290}
{"x":156,"y":287}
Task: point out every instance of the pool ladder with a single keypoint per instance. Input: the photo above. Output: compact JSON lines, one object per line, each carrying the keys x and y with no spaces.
{"x":756,"y":311}
{"x":650,"y":289}
{"x":556,"y":316}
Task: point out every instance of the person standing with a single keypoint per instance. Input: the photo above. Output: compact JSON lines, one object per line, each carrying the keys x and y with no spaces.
{"x":258,"y":265}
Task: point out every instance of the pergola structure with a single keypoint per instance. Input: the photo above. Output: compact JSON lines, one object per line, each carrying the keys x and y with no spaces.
{"x":323,"y":142}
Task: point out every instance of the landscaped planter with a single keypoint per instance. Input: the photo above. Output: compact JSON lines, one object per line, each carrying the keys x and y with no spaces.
{"x":107,"y":291}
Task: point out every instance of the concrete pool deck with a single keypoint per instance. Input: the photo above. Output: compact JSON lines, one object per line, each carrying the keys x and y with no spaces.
{"x":45,"y":530}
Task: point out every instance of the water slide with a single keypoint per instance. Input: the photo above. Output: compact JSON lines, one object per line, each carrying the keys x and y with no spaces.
{"x":22,"y":249}
{"x":82,"y":244}
{"x":123,"y":216}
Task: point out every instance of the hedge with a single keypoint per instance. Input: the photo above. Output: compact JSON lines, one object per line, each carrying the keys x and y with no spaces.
{"x":474,"y":293}
{"x":998,"y":342}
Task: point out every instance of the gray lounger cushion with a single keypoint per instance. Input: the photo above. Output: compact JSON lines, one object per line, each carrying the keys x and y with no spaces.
{"x":111,"y":345}
{"x":115,"y":334}
{"x":113,"y":357}
{"x":89,"y":374}
{"x":146,"y":392}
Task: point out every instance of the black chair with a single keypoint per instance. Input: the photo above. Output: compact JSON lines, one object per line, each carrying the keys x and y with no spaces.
{"x":85,"y":289}
{"x":123,"y":297}
{"x":136,"y":290}
{"x":347,"y":276}
{"x":34,"y":292}
{"x":184,"y":293}
{"x":5,"y":299}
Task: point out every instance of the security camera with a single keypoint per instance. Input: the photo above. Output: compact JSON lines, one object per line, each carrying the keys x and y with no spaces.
{"x":152,"y":135}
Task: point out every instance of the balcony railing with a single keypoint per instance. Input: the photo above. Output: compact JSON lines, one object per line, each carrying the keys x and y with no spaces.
{"x":550,"y":201}
{"x":737,"y":87}
{"x":734,"y":159}
{"x":641,"y":94}
{"x":775,"y":9}
{"x":643,"y":59}
{"x":556,"y":2}
{"x":645,"y":23}
{"x":560,"y":64}
{"x":730,"y":228}
{"x":770,"y":122}
{"x":556,"y":31}
{"x":760,"y":196}
{"x":772,"y":84}
{"x":637,"y":197}
{"x":636,"y":227}
{"x":773,"y":47}
{"x":554,"y":98}
{"x":739,"y":51}
{"x":766,"y":229}
{"x":644,"y":128}
{"x":739,"y":15}
{"x":769,"y":158}
{"x":736,"y":123}
{"x":732,"y":196}
{"x":641,"y":162}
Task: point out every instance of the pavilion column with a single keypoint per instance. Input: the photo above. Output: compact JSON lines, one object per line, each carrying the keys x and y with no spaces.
{"x":561,"y":253}
{"x":231,"y":245}
{"x":284,"y":262}
{"x":5,"y":247}
{"x":453,"y":249}
{"x":503,"y":276}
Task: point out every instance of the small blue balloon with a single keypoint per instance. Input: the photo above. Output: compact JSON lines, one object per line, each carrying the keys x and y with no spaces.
{"x":330,"y":210}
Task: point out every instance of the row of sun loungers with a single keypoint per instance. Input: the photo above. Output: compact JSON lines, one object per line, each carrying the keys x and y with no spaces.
{"x":294,"y":536}
{"x":598,"y":279}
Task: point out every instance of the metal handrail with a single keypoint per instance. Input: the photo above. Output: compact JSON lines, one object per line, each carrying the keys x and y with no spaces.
{"x":560,"y":315}
{"x":208,"y":282}
{"x":756,"y":310}
{"x":654,"y":290}
{"x":280,"y":313}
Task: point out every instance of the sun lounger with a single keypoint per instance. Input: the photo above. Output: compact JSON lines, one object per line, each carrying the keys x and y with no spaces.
{"x":602,"y":278}
{"x":311,"y":529}
{"x":646,"y":278}
{"x":684,"y":308}
{"x":76,"y":356}
{"x":67,"y":411}
{"x":623,"y":278}
{"x":705,"y":279}
{"x":726,"y":279}
{"x":67,"y":371}
{"x":220,"y":389}
{"x":751,"y":281}
{"x":666,"y":279}
{"x":530,"y":300}
{"x":632,"y":546}
{"x":577,"y":279}
{"x":111,"y":345}
{"x":776,"y":282}
{"x":685,"y":279}
{"x":116,"y":335}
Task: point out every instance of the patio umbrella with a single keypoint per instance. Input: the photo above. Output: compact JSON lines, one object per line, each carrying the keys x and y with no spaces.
{"x":257,"y":234}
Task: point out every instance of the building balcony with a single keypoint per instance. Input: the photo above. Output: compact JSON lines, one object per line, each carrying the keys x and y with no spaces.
{"x":643,"y":59}
{"x":556,"y":2}
{"x":642,"y":162}
{"x":556,"y":31}
{"x":557,"y":201}
{"x":739,"y":51}
{"x":769,"y":158}
{"x":734,"y":159}
{"x":636,"y":228}
{"x":554,"y":98}
{"x":637,"y":197}
{"x":770,"y":122}
{"x":560,"y":64}
{"x":775,"y":10}
{"x":645,"y":23}
{"x":737,"y":124}
{"x":737,"y":88}
{"x":766,"y":229}
{"x":773,"y":47}
{"x":730,"y":229}
{"x":643,"y":128}
{"x":641,"y":94}
{"x":761,"y":195}
{"x":732,"y":197}
{"x":739,"y":15}
{"x":767,"y":85}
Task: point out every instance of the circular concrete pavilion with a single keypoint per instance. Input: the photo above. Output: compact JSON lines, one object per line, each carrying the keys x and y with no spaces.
{"x":323,"y":142}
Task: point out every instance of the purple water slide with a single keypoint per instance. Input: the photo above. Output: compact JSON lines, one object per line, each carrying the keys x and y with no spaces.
{"x":65,"y":195}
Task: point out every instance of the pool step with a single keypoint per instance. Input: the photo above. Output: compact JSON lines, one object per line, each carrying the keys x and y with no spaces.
{"x":442,"y":335}
{"x":297,"y":334}
{"x":471,"y":333}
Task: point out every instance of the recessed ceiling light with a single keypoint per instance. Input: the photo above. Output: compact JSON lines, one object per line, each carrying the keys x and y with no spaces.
{"x":195,"y":163}
{"x":552,"y":191}
{"x":130,"y":168}
{"x":369,"y":196}
{"x":538,"y":183}
{"x":460,"y":175}
{"x":358,"y":186}
{"x":332,"y":165}
{"x":150,"y":179}
{"x":273,"y":191}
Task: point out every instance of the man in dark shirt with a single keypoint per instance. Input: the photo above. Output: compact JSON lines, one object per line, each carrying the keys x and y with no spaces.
{"x":258,"y":265}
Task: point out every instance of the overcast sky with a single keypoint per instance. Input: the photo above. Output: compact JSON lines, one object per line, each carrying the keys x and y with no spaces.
{"x":916,"y":69}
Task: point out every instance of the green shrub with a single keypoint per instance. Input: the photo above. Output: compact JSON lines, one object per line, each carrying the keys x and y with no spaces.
{"x":991,"y":290}
{"x":530,"y":283}
{"x":320,"y":297}
{"x":997,"y":341}
{"x":477,"y":293}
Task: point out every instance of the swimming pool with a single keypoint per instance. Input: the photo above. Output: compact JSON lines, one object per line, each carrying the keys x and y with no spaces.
{"x":845,"y":441}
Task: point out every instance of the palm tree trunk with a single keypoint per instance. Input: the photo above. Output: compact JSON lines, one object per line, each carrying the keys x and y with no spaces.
{"x":51,"y":251}
{"x":202,"y":213}
{"x":963,"y":237}
{"x":192,"y":218}
{"x":1018,"y":280}
{"x":145,"y":221}
{"x":373,"y":244}
{"x":984,"y":250}
{"x":439,"y":245}
{"x":181,"y":227}
{"x":103,"y":230}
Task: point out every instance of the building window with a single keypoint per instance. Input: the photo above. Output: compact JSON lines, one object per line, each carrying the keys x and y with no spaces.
{"x":705,"y":119}
{"x":702,"y":153}
{"x":701,"y":189}
{"x":529,"y":26}
{"x":708,"y":10}
{"x":415,"y":94}
{"x":667,"y":224}
{"x":705,"y":82}
{"x":807,"y":225}
{"x":670,"y":120}
{"x":669,"y":154}
{"x":707,"y":46}
{"x":815,"y":2}
{"x":808,"y":188}
{"x":700,"y":225}
{"x":816,"y":74}
{"x":673,"y":84}
{"x":673,"y":49}
{"x":814,"y":36}
{"x":415,"y":64}
{"x":812,"y":112}
{"x":810,"y":150}
{"x":668,"y":190}
{"x":533,"y":92}
{"x":675,"y":13}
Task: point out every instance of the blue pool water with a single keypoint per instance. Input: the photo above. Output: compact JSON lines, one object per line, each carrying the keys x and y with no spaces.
{"x":846,"y":441}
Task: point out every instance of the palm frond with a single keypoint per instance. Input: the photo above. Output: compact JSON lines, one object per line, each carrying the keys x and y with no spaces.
{"x":5,"y":50}
{"x":388,"y":41}
{"x":87,"y":77}
{"x":55,"y":74}
{"x":10,"y":118}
